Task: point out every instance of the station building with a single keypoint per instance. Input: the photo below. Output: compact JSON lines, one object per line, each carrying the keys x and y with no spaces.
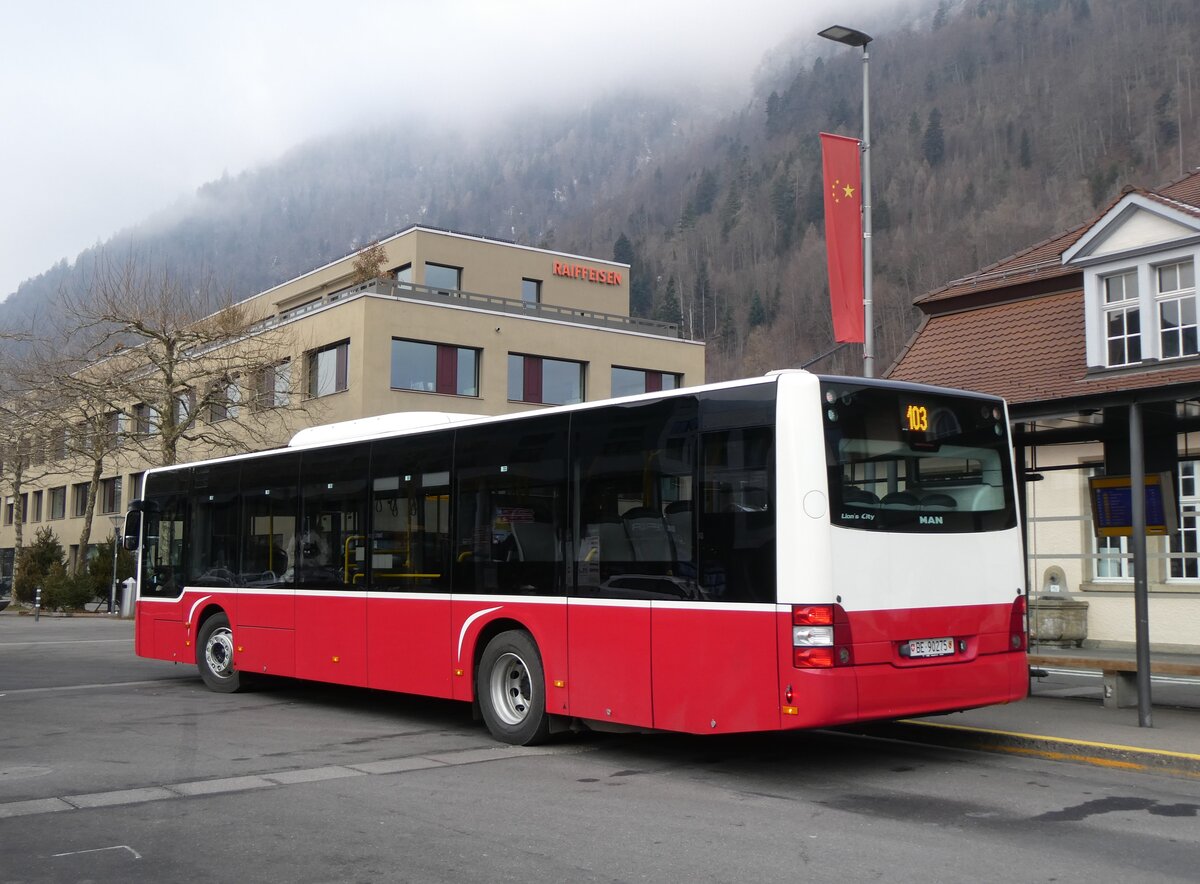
{"x":453,"y":322}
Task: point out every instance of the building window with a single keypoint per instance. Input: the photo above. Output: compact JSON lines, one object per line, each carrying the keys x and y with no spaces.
{"x":1122,"y":319}
{"x":110,"y":495}
{"x":404,"y":276}
{"x":135,"y":484}
{"x":35,"y":513}
{"x":79,"y":492}
{"x":1186,"y":543}
{"x":531,"y":291}
{"x":631,"y":381}
{"x":185,"y":404}
{"x":56,"y":445}
{"x":58,"y":502}
{"x":145,"y":419}
{"x":443,"y":278}
{"x":435,"y":368}
{"x":273,"y":385}
{"x":1177,"y":309}
{"x":328,"y":369}
{"x":542,"y":380}
{"x":114,"y":424}
{"x":226,"y":401}
{"x":9,"y":511}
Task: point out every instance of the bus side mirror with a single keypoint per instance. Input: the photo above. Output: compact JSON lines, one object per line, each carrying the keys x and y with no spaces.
{"x":130,"y":533}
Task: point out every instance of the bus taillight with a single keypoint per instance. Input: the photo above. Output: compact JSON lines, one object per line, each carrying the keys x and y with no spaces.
{"x":820,"y":637}
{"x":1018,"y":626}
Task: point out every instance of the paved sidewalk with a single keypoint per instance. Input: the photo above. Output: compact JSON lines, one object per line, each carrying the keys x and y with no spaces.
{"x":1065,"y":719}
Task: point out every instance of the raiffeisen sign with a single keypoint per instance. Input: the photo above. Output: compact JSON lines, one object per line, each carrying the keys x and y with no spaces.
{"x":587,"y":274}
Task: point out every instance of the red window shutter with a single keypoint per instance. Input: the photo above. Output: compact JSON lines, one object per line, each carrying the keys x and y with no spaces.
{"x":533,"y":379}
{"x":653,"y":381}
{"x":447,"y":369}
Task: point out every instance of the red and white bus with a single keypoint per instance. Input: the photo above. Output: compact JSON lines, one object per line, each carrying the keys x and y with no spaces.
{"x":787,"y":552}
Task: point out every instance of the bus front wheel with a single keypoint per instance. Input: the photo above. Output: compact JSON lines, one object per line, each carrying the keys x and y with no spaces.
{"x":511,"y":687}
{"x":214,"y":656}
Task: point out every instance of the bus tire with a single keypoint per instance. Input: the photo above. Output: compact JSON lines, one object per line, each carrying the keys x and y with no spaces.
{"x":511,"y":686}
{"x":214,"y":656}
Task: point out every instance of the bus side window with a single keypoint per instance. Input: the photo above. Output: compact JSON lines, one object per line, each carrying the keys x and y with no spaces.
{"x":737,"y":517}
{"x":633,"y":476}
{"x":510,"y":499}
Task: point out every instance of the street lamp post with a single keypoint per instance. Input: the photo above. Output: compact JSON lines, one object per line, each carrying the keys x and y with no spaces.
{"x":851,"y":37}
{"x":117,"y":522}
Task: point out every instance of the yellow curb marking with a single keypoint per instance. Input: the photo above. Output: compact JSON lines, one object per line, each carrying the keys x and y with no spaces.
{"x":1113,"y":746}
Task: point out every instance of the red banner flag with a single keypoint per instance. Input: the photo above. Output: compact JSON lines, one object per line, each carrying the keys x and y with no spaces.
{"x":843,"y":234}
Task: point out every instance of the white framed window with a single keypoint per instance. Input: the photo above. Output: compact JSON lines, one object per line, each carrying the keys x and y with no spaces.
{"x":1186,"y":542}
{"x":1176,"y":297}
{"x":1122,"y":319}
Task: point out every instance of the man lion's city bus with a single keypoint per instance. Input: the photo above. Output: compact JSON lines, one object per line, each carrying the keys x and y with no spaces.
{"x":786,"y":552}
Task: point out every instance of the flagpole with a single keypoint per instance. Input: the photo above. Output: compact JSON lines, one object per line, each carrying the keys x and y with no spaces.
{"x":851,"y":37}
{"x":868,"y":303}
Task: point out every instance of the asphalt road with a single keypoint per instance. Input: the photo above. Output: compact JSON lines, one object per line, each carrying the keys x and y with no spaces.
{"x":119,"y":769}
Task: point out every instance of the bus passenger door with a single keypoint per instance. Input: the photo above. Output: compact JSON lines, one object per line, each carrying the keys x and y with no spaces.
{"x":329,"y":552}
{"x":716,"y":666}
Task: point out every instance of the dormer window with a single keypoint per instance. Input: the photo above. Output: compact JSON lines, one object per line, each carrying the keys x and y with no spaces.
{"x":1176,"y":298}
{"x":1122,"y":319}
{"x":1139,"y":282}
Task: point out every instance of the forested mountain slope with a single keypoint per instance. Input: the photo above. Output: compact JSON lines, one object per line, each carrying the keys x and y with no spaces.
{"x":994,"y":124}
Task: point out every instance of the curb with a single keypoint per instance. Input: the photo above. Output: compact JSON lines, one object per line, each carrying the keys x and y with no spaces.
{"x":1134,"y":758}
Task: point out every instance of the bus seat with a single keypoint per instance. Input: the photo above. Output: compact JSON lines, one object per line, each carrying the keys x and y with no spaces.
{"x":852,"y":494}
{"x":614,"y":542}
{"x":648,"y":535}
{"x":535,"y":541}
{"x":679,"y":525}
{"x":901,"y":500}
{"x":938,"y":501}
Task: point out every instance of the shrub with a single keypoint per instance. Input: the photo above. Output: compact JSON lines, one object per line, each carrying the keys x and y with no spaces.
{"x":34,"y":563}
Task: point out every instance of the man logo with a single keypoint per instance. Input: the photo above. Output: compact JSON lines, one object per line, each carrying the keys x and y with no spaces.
{"x":932,"y":520}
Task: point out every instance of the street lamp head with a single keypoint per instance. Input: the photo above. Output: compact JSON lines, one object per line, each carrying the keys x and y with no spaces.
{"x":849,"y":36}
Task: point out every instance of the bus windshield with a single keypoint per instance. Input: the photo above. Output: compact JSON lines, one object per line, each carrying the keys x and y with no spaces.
{"x":915,"y":461}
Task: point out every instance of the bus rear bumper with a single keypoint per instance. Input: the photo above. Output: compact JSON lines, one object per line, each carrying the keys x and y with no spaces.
{"x":864,"y":693}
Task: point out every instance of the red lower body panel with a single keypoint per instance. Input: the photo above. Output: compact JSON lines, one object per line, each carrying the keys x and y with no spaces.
{"x":707,"y":669}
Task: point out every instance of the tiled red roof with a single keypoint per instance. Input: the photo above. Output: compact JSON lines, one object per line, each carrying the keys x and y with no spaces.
{"x":1032,"y":346}
{"x":1025,"y":351}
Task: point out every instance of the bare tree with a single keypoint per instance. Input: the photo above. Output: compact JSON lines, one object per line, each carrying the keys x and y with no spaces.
{"x":197,"y":373}
{"x":78,"y":413}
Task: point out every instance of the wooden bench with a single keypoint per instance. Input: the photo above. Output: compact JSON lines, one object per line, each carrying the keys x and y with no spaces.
{"x":1120,"y":676}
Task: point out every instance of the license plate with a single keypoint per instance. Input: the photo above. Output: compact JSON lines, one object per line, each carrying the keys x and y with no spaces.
{"x":930,"y":647}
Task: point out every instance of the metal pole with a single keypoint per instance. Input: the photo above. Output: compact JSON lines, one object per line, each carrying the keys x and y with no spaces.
{"x":868,"y":305}
{"x":1141,"y":595}
{"x":112,"y":590}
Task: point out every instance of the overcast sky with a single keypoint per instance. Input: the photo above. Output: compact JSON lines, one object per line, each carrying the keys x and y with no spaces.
{"x":111,"y":110}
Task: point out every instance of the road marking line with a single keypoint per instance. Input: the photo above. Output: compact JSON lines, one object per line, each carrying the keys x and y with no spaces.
{"x":136,"y":855}
{"x":226,"y":785}
{"x":80,"y":641}
{"x":35,"y":806}
{"x":92,"y":687}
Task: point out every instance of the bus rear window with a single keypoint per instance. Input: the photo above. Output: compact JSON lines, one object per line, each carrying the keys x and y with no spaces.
{"x":910,"y":461}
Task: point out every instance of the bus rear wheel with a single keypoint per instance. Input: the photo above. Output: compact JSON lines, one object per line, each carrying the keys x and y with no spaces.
{"x":214,"y":656}
{"x":511,"y":687}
